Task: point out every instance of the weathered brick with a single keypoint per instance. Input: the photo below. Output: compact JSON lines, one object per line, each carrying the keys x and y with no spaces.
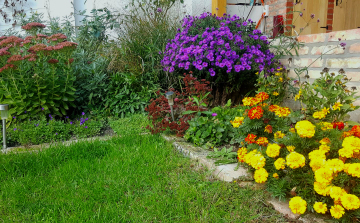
{"x":351,"y":34}
{"x":353,"y":62}
{"x":335,"y":63}
{"x":354,"y":48}
{"x":313,"y":38}
{"x":354,"y":76}
{"x":329,"y":50}
{"x":312,"y":62}
{"x":301,"y":51}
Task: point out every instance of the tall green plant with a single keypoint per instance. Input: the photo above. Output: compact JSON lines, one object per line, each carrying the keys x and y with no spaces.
{"x":36,"y":73}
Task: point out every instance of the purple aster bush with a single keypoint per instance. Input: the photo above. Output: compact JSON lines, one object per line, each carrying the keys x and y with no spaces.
{"x":226,"y":50}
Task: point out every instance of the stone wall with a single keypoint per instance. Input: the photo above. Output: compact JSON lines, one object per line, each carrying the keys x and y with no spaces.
{"x":333,"y":57}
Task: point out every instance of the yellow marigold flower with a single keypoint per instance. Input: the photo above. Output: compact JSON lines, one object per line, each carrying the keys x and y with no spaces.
{"x":354,"y":170}
{"x":277,"y":74}
{"x":241,"y":154}
{"x":295,"y":160}
{"x":282,"y":112}
{"x":319,"y":115}
{"x":325,"y":141}
{"x":324,"y":148}
{"x":320,"y":207}
{"x":276,"y":176}
{"x":337,"y":211}
{"x":352,"y":143}
{"x":326,"y":125}
{"x":346,"y":167}
{"x":250,"y":101}
{"x":346,"y":152}
{"x":257,"y":161}
{"x":305,"y":129}
{"x":323,"y":175}
{"x":290,"y":148}
{"x":350,"y":201}
{"x":336,"y":192}
{"x":261,"y":175}
{"x":321,"y":188}
{"x":281,"y":79}
{"x":292,"y":130}
{"x":237,"y":122}
{"x":249,"y":156}
{"x":335,"y":165}
{"x":279,"y":164}
{"x":278,"y":135}
{"x":273,"y":108}
{"x":316,"y":164}
{"x":273,"y":150}
{"x":275,"y":93}
{"x":268,"y":129}
{"x":317,"y":154}
{"x":297,"y":205}
{"x":337,"y":106}
{"x":325,"y":110}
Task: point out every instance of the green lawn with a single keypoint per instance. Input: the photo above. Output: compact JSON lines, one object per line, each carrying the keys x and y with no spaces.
{"x":132,"y":178}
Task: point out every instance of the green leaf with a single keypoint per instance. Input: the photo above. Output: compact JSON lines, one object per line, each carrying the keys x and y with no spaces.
{"x":351,"y":123}
{"x":188,"y":112}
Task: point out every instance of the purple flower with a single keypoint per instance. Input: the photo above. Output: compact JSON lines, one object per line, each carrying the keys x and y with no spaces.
{"x":83,"y":113}
{"x":15,"y":129}
{"x":301,"y":14}
{"x":86,"y":119}
{"x":318,"y":20}
{"x":14,"y":117}
{"x":159,"y":10}
{"x":56,"y":133}
{"x":42,"y":109}
{"x":67,"y":117}
{"x":214,"y":114}
{"x":71,"y":123}
{"x":86,"y":127}
{"x":342,"y":44}
{"x":25,"y":112}
{"x":312,"y":16}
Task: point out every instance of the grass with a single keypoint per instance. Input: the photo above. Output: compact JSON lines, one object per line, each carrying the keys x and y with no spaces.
{"x":132,"y":178}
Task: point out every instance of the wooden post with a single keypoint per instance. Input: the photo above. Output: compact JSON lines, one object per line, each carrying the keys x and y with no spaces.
{"x":219,"y":7}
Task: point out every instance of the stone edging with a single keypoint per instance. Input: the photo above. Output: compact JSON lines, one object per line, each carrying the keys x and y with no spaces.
{"x":227,"y":173}
{"x":36,"y":148}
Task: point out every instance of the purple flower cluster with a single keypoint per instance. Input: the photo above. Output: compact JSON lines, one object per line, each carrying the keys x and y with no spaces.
{"x":232,"y":45}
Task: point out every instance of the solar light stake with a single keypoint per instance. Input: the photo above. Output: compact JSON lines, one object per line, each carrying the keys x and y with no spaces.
{"x":4,"y":115}
{"x":170,"y":96}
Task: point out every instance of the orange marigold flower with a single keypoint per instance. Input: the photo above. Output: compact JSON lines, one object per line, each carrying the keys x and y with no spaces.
{"x":262,"y":96}
{"x":274,"y":108}
{"x":250,"y":138}
{"x":282,"y":112}
{"x":256,"y":112}
{"x":262,"y":141}
{"x":356,"y":130}
{"x":268,"y":129}
{"x":250,"y":101}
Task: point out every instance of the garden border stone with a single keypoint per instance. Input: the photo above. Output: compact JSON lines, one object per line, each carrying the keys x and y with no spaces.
{"x":36,"y":148}
{"x":227,"y":173}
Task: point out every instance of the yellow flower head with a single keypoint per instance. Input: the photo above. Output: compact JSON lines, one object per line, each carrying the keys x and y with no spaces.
{"x":317,"y":154}
{"x":273,"y":150}
{"x":295,"y":160}
{"x":279,"y":164}
{"x":237,"y":122}
{"x":350,"y":201}
{"x":319,"y":115}
{"x":320,"y":207}
{"x":335,"y":165}
{"x":275,"y":93}
{"x":326,"y":125}
{"x":316,"y":164}
{"x":290,"y":148}
{"x":323,"y":175}
{"x":337,"y":106}
{"x":354,"y":169}
{"x":297,"y":205}
{"x":337,"y":211}
{"x":292,"y":130}
{"x":322,"y":188}
{"x":336,"y":192}
{"x":276,"y":176}
{"x":324,"y":148}
{"x":282,"y":111}
{"x":325,"y":141}
{"x":305,"y":129}
{"x":261,"y":175}
{"x":241,"y":154}
{"x":278,"y":135}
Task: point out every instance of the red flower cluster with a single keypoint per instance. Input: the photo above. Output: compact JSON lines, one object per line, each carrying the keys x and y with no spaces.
{"x":53,"y":61}
{"x":59,"y":36}
{"x":7,"y":66}
{"x":338,"y":125}
{"x":11,"y":41}
{"x":256,"y":112}
{"x":250,"y":138}
{"x":159,"y":109}
{"x":31,"y":25}
{"x":15,"y":58}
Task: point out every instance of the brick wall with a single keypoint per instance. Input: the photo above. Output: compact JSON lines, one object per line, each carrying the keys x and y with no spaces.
{"x":334,"y":57}
{"x":278,"y":7}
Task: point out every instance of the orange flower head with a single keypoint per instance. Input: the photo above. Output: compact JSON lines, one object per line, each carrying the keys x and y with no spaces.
{"x":256,"y":112}
{"x":268,"y":129}
{"x":250,"y":138}
{"x":262,"y":96}
{"x":262,"y":141}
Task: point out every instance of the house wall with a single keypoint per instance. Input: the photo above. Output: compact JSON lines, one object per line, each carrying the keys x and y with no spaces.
{"x":334,"y":57}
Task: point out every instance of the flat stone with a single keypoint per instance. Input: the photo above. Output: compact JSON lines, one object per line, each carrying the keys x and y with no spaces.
{"x":283,"y":208}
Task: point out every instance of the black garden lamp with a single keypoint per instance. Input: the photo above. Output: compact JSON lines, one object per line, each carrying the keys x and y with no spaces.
{"x":170,"y":95}
{"x":4,"y":109}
